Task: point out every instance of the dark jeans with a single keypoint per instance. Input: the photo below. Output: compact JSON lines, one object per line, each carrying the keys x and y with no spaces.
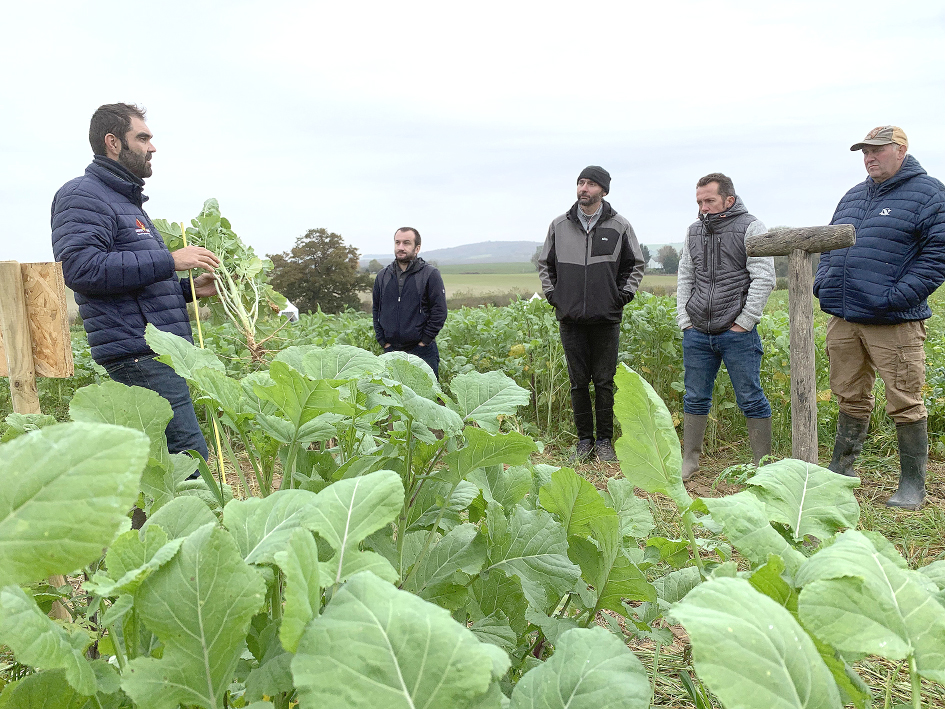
{"x":741,"y":351}
{"x":429,"y":354}
{"x":183,"y":432}
{"x":591,"y":351}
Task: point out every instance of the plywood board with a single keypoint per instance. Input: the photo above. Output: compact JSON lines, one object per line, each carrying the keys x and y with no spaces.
{"x":46,"y":307}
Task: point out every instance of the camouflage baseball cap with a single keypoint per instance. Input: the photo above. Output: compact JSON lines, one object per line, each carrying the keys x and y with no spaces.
{"x":883,"y":135}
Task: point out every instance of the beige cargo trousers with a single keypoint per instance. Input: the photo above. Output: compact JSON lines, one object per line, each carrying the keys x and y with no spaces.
{"x":897,"y":352}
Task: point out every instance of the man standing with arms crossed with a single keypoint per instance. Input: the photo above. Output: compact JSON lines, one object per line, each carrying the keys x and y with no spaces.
{"x":409,"y":302}
{"x":590,"y":267}
{"x":877,"y":291}
{"x":123,"y":275}
{"x":720,"y":295}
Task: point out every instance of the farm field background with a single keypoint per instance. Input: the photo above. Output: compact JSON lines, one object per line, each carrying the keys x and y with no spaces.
{"x":517,"y":348}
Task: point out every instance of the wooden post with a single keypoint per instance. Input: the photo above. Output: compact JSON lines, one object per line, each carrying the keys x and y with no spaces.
{"x":15,"y":328}
{"x":801,"y":244}
{"x":18,"y":344}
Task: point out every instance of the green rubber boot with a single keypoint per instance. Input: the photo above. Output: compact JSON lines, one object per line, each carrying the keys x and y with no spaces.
{"x":693,"y":435}
{"x":759,"y":435}
{"x":851,"y":433}
{"x":913,"y":461}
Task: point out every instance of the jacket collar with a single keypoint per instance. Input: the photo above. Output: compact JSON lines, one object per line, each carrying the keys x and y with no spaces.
{"x":712,"y":221}
{"x":606,"y":212}
{"x":910,"y":168}
{"x":118,"y":178}
{"x":414,"y":266}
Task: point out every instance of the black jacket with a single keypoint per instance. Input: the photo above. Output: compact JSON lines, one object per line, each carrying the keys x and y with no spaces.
{"x":414,"y":313}
{"x":589,"y":277}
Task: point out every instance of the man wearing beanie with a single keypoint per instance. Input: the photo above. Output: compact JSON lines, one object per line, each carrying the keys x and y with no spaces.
{"x":877,"y":291}
{"x":590,"y":267}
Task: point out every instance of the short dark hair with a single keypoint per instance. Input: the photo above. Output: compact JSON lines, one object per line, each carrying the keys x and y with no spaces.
{"x":114,"y":118}
{"x":416,"y":234}
{"x":726,"y":188}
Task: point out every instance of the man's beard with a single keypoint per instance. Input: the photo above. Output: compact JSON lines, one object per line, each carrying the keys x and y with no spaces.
{"x":138,"y":165}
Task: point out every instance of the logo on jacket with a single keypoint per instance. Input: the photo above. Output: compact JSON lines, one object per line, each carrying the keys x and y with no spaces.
{"x":885,"y":212}
{"x":141,"y":229}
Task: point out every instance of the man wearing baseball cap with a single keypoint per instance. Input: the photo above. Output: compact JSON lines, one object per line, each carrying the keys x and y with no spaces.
{"x":590,"y":267}
{"x":877,"y":291}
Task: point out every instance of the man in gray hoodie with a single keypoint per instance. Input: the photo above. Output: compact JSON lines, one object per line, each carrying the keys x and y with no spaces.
{"x":721,"y":293}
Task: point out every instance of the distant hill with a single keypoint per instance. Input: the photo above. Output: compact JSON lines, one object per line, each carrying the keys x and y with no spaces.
{"x":483,"y":252}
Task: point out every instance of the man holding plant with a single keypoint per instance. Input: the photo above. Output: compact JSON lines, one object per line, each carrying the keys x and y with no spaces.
{"x":720,"y":295}
{"x":409,"y":302}
{"x":877,"y":291}
{"x":123,"y":275}
{"x":590,"y":267}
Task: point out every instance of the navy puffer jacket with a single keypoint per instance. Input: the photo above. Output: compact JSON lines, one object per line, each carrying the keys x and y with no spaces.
{"x":898,"y":259}
{"x":116,"y":262}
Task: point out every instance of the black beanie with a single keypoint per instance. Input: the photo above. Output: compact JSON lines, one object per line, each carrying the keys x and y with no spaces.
{"x":598,"y":175}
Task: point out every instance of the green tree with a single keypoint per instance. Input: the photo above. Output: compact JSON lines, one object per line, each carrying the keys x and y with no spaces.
{"x":646,"y":254}
{"x":535,"y":256}
{"x":320,"y":271}
{"x":375,"y":266}
{"x":668,"y":258}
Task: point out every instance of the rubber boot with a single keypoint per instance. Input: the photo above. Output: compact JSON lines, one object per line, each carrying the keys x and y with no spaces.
{"x":759,"y":435}
{"x":693,"y":435}
{"x":851,"y":433}
{"x":913,"y":461}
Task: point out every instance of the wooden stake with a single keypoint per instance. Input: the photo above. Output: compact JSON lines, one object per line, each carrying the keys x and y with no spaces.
{"x":15,"y":326}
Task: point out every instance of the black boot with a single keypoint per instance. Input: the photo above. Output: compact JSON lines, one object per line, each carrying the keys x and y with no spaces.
{"x":851,"y":433}
{"x":913,"y":461}
{"x":759,"y":435}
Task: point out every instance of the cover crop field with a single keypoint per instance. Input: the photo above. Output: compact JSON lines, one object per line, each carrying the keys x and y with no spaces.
{"x":384,"y":539}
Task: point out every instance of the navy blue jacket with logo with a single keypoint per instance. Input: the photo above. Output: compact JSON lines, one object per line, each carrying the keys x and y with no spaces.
{"x":898,"y":259}
{"x":116,"y":262}
{"x":411,"y":315}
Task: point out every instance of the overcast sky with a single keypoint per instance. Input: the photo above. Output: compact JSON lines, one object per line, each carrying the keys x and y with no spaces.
{"x":469,"y":121}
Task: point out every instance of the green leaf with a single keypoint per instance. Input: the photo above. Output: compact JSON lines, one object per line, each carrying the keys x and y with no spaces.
{"x":768,"y":579}
{"x":262,"y":526}
{"x":39,"y":641}
{"x":47,"y":690}
{"x":18,"y":424}
{"x":605,"y":567}
{"x":735,"y":630}
{"x":377,"y":646}
{"x":429,"y":413}
{"x":299,"y":563}
{"x":648,"y":448}
{"x":66,"y":492}
{"x":298,"y":398}
{"x":336,"y":363}
{"x":484,"y":449}
{"x":200,"y":606}
{"x":745,"y":520}
{"x":535,"y":550}
{"x":809,"y":499}
{"x":497,"y":592}
{"x":636,"y":520}
{"x":484,"y":397}
{"x":445,"y":572}
{"x":347,"y":511}
{"x":132,"y":407}
{"x":181,"y":516}
{"x":179,"y":354}
{"x":496,"y":630}
{"x":130,"y":560}
{"x":591,"y":669}
{"x":506,"y":486}
{"x":858,"y":600}
{"x":413,"y":373}
{"x":575,"y":501}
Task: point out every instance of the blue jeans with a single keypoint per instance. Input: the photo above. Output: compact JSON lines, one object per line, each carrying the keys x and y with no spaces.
{"x":741,"y":352}
{"x":183,"y":432}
